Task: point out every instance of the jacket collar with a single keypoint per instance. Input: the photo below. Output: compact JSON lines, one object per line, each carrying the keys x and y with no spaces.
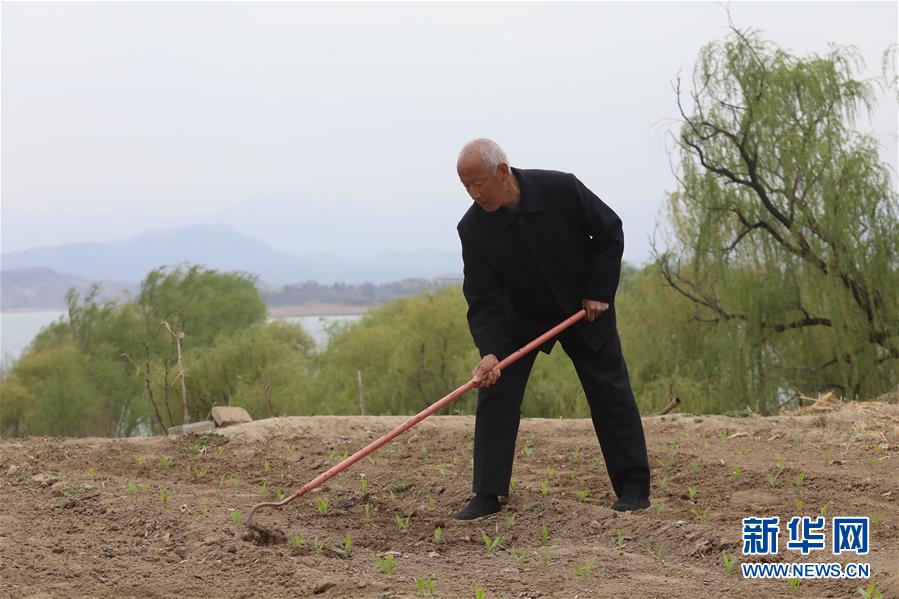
{"x":529,"y":200}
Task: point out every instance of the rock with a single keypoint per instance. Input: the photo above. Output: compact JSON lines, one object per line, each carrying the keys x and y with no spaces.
{"x":322,"y":586}
{"x":182,"y":552}
{"x":225,"y":415}
{"x":44,"y":479}
{"x":12,"y":470}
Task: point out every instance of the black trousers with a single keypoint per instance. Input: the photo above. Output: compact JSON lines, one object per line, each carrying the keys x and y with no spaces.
{"x":603,"y":375}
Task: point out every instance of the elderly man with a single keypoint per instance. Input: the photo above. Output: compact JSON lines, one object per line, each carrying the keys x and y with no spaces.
{"x":537,"y":246}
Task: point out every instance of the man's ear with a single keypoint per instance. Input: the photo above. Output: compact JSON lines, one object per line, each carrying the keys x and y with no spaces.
{"x":503,"y":169}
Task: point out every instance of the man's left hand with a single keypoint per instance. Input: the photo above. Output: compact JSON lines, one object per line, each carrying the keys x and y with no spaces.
{"x":594,"y":308}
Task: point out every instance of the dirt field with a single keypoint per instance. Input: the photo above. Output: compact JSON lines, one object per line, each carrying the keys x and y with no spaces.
{"x":155,"y":517}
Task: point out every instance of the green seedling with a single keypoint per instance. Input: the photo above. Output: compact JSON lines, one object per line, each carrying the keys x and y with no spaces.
{"x":263,"y":489}
{"x":479,"y":593}
{"x":387,"y":564}
{"x":91,"y":472}
{"x":438,"y":534}
{"x":694,"y":468}
{"x":344,"y":456}
{"x":139,"y":458}
{"x":877,"y":520}
{"x":235,"y":517}
{"x":527,"y":449}
{"x":722,"y":433}
{"x":322,"y":505}
{"x":510,"y":520}
{"x":824,"y":508}
{"x":204,"y":512}
{"x":423,"y":585}
{"x":799,"y":480}
{"x":744,"y":449}
{"x":221,"y":480}
{"x":582,"y":496}
{"x":364,"y":484}
{"x":318,"y":546}
{"x":873,"y":463}
{"x":391,"y":495}
{"x":772,"y":479}
{"x":701,"y":516}
{"x":442,"y":471}
{"x":794,"y":584}
{"x":871,"y":591}
{"x":343,"y":550}
{"x":280,"y":494}
{"x":423,"y":452}
{"x":164,"y":494}
{"x":550,"y":471}
{"x":544,"y":533}
{"x":401,"y":523}
{"x":221,"y":451}
{"x":657,"y":556}
{"x":366,"y":513}
{"x":658,"y":506}
{"x":572,"y":474}
{"x":619,"y":538}
{"x":132,"y":487}
{"x":576,"y":455}
{"x":513,"y":483}
{"x":522,"y":557}
{"x":199,"y":473}
{"x":799,"y":505}
{"x":729,"y":561}
{"x":144,"y":488}
{"x":166,"y":463}
{"x":297,"y":541}
{"x":544,"y":488}
{"x":662,"y":482}
{"x":431,"y":502}
{"x":737,"y":473}
{"x":691,"y":493}
{"x":583,"y":570}
{"x":266,"y":466}
{"x":490,"y":544}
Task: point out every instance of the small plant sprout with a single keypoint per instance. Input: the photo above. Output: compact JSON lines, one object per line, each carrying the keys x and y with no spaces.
{"x":544,"y":557}
{"x":701,"y":516}
{"x":527,"y":449}
{"x":144,"y":488}
{"x":799,"y":480}
{"x":799,"y":505}
{"x":572,"y":474}
{"x":199,"y":473}
{"x":694,"y":468}
{"x":657,"y":556}
{"x":479,"y":593}
{"x":221,"y":480}
{"x":877,"y":520}
{"x":729,"y":561}
{"x":544,"y":488}
{"x":582,"y":496}
{"x":366,"y":512}
{"x":132,"y":487}
{"x":423,"y":452}
{"x":204,"y":512}
{"x":794,"y":584}
{"x":431,"y":502}
{"x":871,"y":591}
{"x":423,"y":585}
{"x":221,"y":451}
{"x":266,"y":466}
{"x":658,"y":506}
{"x":619,"y":539}
{"x":235,"y":517}
{"x":490,"y":544}
{"x":583,"y":570}
{"x":772,"y":479}
{"x":744,"y":449}
{"x":322,"y":505}
{"x":401,"y":523}
{"x":691,"y":493}
{"x":550,"y":471}
{"x":442,"y":471}
{"x":297,"y":541}
{"x":737,"y":473}
{"x":343,"y":550}
{"x":280,"y":494}
{"x":438,"y":534}
{"x":263,"y":489}
{"x":513,"y":483}
{"x":166,"y":463}
{"x":386,"y":564}
{"x":391,"y":494}
{"x":662,"y":482}
{"x":522,"y":557}
{"x":139,"y":458}
{"x":164,"y":494}
{"x":364,"y":484}
{"x":824,"y":508}
{"x":544,"y":533}
{"x":510,"y":520}
{"x":91,"y":472}
{"x":318,"y":546}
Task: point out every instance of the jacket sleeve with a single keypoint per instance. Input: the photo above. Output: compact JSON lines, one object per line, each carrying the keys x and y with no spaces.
{"x":487,"y":318}
{"x":605,"y":245}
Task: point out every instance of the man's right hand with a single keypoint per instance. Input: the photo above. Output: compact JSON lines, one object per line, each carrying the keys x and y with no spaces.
{"x":486,"y":372}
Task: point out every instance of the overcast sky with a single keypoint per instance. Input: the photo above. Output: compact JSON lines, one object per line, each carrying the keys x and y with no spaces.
{"x":335,"y":127}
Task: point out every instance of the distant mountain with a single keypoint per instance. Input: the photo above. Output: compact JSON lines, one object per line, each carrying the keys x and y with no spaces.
{"x":45,"y":289}
{"x":223,"y":248}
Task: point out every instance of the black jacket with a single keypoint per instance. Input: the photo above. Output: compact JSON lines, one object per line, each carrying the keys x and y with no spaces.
{"x":526,"y":272}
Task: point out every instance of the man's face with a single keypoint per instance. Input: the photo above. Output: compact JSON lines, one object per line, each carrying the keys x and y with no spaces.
{"x":484,"y":187}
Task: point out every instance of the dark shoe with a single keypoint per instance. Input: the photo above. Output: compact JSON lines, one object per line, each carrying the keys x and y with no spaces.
{"x":480,"y":505}
{"x":631,"y":504}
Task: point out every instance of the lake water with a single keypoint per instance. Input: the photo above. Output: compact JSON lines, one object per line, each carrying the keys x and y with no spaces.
{"x":18,"y":329}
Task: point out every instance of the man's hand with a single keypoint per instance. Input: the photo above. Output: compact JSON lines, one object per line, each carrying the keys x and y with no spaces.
{"x":486,"y":372}
{"x":594,"y":308}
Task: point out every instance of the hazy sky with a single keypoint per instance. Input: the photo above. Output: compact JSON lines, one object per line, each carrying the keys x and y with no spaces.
{"x":335,"y":127}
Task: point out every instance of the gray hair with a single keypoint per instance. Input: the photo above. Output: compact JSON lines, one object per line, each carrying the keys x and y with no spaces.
{"x":487,"y":150}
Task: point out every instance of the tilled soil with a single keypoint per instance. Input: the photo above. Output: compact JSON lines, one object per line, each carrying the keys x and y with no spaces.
{"x":158,"y":517}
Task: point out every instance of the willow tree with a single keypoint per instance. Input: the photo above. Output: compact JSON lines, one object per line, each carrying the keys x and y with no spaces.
{"x":784,"y":225}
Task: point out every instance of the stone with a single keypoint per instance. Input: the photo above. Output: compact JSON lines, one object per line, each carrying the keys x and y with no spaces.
{"x":225,"y":415}
{"x":322,"y":586}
